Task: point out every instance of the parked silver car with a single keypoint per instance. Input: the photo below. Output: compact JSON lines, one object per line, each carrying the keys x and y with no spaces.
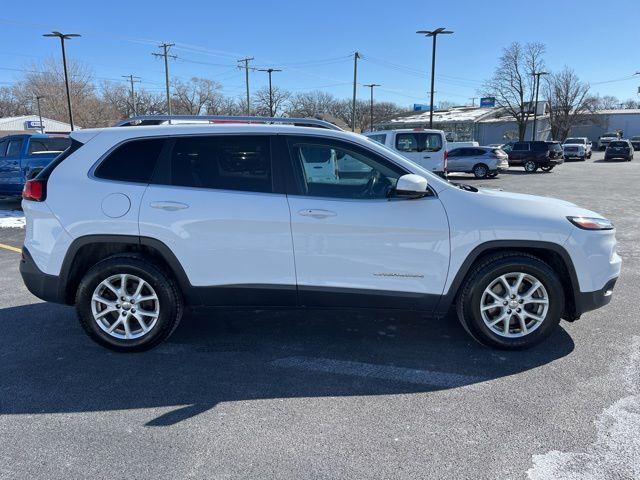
{"x":483,"y":162}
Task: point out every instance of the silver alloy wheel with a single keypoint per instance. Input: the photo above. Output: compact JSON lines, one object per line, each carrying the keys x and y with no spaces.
{"x":480,"y":171}
{"x":125,"y":306}
{"x":530,"y":166}
{"x":514,"y":304}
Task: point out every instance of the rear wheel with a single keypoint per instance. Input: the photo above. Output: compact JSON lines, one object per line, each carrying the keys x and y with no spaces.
{"x":480,"y":170}
{"x":530,"y":166}
{"x":511,"y":301}
{"x":128,"y":303}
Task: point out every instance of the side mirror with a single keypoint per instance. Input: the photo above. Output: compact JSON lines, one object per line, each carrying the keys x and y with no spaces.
{"x":410,"y":186}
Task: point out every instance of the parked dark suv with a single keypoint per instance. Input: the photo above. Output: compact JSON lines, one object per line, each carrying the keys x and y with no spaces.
{"x":619,"y":149}
{"x":534,"y":155}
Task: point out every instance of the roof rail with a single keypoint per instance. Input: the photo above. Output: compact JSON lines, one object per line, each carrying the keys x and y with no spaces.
{"x":161,"y":119}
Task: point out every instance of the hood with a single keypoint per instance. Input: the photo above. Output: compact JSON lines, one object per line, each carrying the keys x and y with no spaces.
{"x":521,"y":201}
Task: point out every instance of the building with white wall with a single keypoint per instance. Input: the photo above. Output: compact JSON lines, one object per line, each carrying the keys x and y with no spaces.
{"x":31,"y":124}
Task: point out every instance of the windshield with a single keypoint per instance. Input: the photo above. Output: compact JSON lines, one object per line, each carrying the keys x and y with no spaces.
{"x":575,"y":140}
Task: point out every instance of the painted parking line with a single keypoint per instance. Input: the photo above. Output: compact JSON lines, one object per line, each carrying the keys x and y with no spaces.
{"x":10,"y":248}
{"x":382,"y":372}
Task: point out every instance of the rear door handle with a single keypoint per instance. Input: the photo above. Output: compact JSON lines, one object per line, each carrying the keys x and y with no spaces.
{"x":317,"y":213}
{"x":169,"y":206}
{"x":426,"y":156}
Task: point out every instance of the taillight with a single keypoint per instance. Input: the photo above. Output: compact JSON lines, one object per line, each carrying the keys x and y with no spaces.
{"x":35,"y":190}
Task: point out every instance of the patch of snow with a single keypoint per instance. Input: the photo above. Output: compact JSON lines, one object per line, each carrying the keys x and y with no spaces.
{"x":11,"y":219}
{"x":616,"y":451}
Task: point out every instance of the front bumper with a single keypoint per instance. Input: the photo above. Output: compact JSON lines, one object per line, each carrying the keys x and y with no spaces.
{"x":44,"y":286}
{"x":588,"y":301}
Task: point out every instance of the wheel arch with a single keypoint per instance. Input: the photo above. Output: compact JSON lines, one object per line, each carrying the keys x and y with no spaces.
{"x":551,"y":253}
{"x":86,"y":251}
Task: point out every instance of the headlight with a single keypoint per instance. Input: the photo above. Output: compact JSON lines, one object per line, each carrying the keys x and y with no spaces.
{"x":591,"y":223}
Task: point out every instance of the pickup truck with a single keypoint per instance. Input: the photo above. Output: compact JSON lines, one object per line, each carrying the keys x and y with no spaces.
{"x":606,"y":138}
{"x":23,"y":156}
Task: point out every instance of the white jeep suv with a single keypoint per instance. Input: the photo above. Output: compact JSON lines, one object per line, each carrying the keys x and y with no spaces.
{"x":131,"y":224}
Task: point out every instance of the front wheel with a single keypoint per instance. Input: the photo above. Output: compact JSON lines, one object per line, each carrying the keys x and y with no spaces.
{"x":547,"y":168}
{"x":127,"y":303}
{"x":511,"y":301}
{"x":530,"y":166}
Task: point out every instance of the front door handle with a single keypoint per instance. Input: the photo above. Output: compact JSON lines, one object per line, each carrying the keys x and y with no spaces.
{"x":317,"y":213}
{"x":169,"y":206}
{"x":426,"y":156}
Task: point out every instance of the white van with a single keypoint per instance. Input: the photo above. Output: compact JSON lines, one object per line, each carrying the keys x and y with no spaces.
{"x":427,"y":148}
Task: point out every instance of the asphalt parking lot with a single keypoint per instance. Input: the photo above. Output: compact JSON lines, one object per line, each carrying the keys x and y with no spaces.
{"x":332,"y":394}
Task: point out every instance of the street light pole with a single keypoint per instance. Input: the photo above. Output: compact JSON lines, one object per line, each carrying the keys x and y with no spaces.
{"x":63,"y":37}
{"x":371,"y":86}
{"x":434,"y":34}
{"x":535,"y":106}
{"x":38,"y":97}
{"x":270,"y":71}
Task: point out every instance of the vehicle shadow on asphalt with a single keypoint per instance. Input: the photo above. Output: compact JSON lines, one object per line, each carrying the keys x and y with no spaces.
{"x":48,"y":365}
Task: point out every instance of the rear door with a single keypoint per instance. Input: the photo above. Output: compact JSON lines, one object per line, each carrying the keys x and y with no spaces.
{"x":354,"y":246}
{"x":10,"y":179}
{"x":217,"y":203}
{"x":519,"y":153}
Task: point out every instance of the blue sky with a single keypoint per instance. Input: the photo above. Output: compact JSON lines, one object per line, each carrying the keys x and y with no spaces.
{"x":313,"y":42}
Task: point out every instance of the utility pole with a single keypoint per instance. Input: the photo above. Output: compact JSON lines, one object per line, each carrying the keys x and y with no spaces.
{"x":133,"y":79}
{"x":473,"y":101}
{"x":371,"y":86}
{"x":165,"y":54}
{"x":38,"y":97}
{"x":63,"y":37}
{"x":246,"y":80}
{"x":270,"y":71}
{"x":356,"y":56}
{"x":434,"y":34}
{"x":536,"y":76}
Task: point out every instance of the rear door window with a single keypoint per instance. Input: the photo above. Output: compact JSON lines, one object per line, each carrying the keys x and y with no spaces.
{"x":520,"y":146}
{"x":54,"y":144}
{"x":234,"y":162}
{"x":132,"y":161}
{"x":15,"y":148}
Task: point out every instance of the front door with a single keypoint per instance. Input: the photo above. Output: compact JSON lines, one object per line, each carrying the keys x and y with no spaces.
{"x":353,"y":245}
{"x":214,"y":203}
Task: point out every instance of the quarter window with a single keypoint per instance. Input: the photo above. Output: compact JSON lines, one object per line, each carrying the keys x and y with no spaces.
{"x":133,"y":161}
{"x":333,"y":170}
{"x":223,"y":162}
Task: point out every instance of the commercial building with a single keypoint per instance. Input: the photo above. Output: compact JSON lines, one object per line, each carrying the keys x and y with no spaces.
{"x":493,"y":125}
{"x":31,"y":124}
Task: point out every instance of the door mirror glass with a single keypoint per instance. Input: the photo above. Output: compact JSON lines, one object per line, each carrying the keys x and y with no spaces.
{"x":411,"y":186}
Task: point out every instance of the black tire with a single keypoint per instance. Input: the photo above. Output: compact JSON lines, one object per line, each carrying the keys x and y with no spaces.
{"x":547,"y":168}
{"x":170,"y":305}
{"x":582,"y":159}
{"x":530,"y":166}
{"x":483,"y":274}
{"x":480,"y":170}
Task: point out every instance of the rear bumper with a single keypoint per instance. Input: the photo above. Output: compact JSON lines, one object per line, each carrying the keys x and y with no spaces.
{"x":44,"y":286}
{"x":588,"y":301}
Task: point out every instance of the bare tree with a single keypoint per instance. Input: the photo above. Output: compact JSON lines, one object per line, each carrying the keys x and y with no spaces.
{"x":194,"y":97}
{"x":260,"y":101}
{"x":569,"y":102}
{"x":118,"y":96}
{"x":513,"y":81}
{"x":312,"y":104}
{"x":608,"y":102}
